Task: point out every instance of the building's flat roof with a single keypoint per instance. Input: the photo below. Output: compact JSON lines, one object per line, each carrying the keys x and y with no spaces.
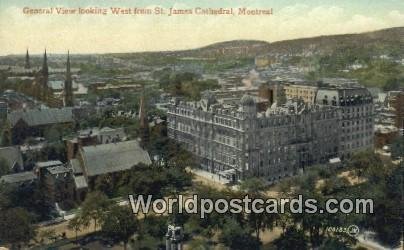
{"x":45,"y":164}
{"x":18,"y":177}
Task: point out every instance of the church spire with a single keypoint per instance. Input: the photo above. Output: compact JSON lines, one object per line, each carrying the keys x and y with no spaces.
{"x":45,"y":62}
{"x":45,"y":70}
{"x":68,"y":88}
{"x":144,"y":123}
{"x":27,"y":63}
{"x":68,"y":74}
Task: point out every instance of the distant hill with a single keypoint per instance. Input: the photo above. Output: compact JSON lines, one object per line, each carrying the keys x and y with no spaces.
{"x":386,"y":40}
{"x":236,"y":48}
{"x":382,"y":41}
{"x":243,"y":48}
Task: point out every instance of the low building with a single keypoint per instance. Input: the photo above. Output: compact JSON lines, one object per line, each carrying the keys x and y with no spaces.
{"x":385,"y":134}
{"x":33,"y":122}
{"x":57,"y":179}
{"x":109,"y":158}
{"x":22,"y":179}
{"x":94,"y":136}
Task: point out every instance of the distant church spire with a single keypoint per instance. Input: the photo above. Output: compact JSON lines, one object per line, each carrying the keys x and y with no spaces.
{"x":45,"y":71}
{"x":144,"y":123}
{"x":27,"y":63}
{"x":68,"y":87}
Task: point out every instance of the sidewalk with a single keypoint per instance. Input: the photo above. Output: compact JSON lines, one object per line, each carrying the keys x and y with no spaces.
{"x":211,"y":176}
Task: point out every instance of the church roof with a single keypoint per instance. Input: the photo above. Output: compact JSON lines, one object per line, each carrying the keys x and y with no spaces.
{"x":113,"y":157}
{"x":37,"y":117}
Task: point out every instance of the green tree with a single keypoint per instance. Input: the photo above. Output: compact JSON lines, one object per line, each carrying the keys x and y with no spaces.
{"x":334,"y":244}
{"x":236,"y":236}
{"x":393,"y":84}
{"x":292,"y":239}
{"x":120,"y":224}
{"x":5,"y":138}
{"x":362,"y":161}
{"x":387,"y":219}
{"x":104,"y":183}
{"x":53,"y":134}
{"x":16,"y":226}
{"x":255,"y":186}
{"x":76,"y":224}
{"x":94,"y":207}
{"x":155,"y":226}
{"x":261,"y":221}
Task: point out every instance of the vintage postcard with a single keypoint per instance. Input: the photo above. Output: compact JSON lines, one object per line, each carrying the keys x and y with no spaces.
{"x":211,"y":124}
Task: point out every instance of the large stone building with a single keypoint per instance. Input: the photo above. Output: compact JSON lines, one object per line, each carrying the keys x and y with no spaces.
{"x":238,"y":141}
{"x":357,"y":125}
{"x":355,"y":102}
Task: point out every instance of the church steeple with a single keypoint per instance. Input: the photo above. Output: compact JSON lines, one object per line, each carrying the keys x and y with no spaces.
{"x":144,"y":123}
{"x":45,"y":70}
{"x":68,"y":88}
{"x":27,"y":63}
{"x":68,"y":74}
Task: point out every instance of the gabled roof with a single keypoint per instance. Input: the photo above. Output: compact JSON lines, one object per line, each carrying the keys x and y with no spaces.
{"x":13,"y":157}
{"x":37,"y":117}
{"x":113,"y":157}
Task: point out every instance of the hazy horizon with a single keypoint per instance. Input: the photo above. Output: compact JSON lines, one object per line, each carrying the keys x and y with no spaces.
{"x":99,"y":34}
{"x":156,"y":51}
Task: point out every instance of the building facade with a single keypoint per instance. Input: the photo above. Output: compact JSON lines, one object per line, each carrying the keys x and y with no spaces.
{"x":357,"y":119}
{"x":305,"y":92}
{"x":239,"y":141}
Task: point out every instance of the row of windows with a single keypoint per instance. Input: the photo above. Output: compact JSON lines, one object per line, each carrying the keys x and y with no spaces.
{"x":353,"y":123}
{"x":358,"y":128}
{"x":227,"y":122}
{"x":357,"y":144}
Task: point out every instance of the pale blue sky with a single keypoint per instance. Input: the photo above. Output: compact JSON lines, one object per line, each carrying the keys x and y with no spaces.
{"x":98,"y":34}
